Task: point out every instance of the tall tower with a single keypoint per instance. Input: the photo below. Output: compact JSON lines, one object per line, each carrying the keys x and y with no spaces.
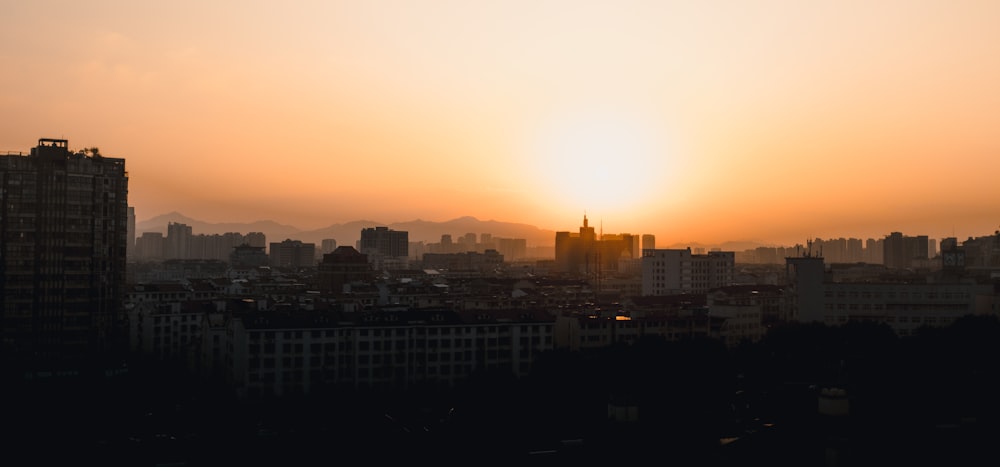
{"x":64,"y":232}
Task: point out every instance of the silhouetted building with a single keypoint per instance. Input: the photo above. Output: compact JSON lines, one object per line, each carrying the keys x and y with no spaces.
{"x":900,"y":251}
{"x":344,"y":266}
{"x":150,"y":246}
{"x":292,"y":254}
{"x":247,"y":256}
{"x":328,"y":245}
{"x":64,"y":231}
{"x":512,"y":249}
{"x":386,"y":350}
{"x":952,"y":257}
{"x":575,"y":253}
{"x":676,"y":271}
{"x":587,"y":255}
{"x":178,"y":240}
{"x":874,"y":251}
{"x":384,"y":246}
{"x":214,"y":246}
{"x":982,"y":254}
{"x":904,"y":305}
{"x":648,"y":242}
{"x":805,"y":280}
{"x":256,"y":239}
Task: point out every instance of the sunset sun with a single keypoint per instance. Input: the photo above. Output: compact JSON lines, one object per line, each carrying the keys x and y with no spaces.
{"x":602,"y":163}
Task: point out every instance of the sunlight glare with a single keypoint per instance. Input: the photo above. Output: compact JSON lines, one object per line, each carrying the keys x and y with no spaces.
{"x":607,"y":163}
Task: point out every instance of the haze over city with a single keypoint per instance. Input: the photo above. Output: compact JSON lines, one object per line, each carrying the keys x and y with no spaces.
{"x":707,"y":121}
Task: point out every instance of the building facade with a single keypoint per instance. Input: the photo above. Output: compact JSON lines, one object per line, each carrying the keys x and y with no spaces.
{"x":677,"y":271}
{"x":64,"y":231}
{"x":292,"y":254}
{"x":904,"y":304}
{"x":274,"y":355}
{"x":342,"y":267}
{"x":385,"y":247}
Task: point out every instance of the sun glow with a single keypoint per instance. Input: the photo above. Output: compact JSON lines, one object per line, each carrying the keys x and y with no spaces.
{"x":601,"y":163}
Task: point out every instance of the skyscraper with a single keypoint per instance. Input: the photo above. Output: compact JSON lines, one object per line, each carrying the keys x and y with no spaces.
{"x":63,"y":241}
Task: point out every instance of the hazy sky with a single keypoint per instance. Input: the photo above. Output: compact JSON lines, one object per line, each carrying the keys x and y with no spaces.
{"x":695,"y":121}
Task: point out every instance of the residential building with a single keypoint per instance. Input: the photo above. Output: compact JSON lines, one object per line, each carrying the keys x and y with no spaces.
{"x":64,"y":231}
{"x":342,"y":267}
{"x":385,"y":247}
{"x":905,"y":303}
{"x":292,"y":254}
{"x":287,"y":354}
{"x":678,"y":271}
{"x":585,"y":254}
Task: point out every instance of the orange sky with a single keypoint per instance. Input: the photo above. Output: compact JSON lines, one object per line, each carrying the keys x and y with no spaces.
{"x":701,"y":121}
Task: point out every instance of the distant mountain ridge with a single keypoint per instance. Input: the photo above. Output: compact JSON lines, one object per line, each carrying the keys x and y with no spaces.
{"x":349,"y":233}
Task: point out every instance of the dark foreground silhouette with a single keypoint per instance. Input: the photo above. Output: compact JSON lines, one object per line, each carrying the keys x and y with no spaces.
{"x":927,"y":398}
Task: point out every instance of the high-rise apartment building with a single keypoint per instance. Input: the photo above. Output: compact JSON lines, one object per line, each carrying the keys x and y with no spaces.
{"x":677,"y":271}
{"x":344,"y":266}
{"x":328,"y":245}
{"x":64,"y":232}
{"x":900,"y":251}
{"x":292,"y":254}
{"x":383,"y":241}
{"x":648,"y":242}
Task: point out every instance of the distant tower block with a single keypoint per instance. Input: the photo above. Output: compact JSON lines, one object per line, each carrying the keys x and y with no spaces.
{"x":648,"y":242}
{"x":328,"y":245}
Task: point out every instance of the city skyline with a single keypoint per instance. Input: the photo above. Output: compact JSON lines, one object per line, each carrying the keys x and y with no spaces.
{"x":289,"y":231}
{"x":773,"y":122}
